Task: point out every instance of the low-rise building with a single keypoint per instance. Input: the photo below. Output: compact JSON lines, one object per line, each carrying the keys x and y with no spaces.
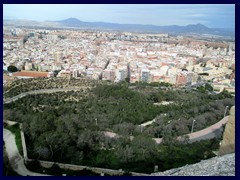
{"x":181,"y":79}
{"x":65,"y":74}
{"x":32,"y":74}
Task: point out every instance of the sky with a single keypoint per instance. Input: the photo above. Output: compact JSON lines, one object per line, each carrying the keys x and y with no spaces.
{"x":210,"y":15}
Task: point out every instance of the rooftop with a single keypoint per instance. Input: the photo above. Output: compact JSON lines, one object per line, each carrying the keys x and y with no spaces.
{"x":31,"y":74}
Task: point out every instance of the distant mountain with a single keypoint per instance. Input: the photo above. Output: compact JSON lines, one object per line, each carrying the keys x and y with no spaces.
{"x":70,"y":22}
{"x":174,"y":29}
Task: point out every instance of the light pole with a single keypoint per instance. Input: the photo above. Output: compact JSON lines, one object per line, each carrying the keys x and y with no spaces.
{"x":225,"y":111}
{"x":193,"y":125}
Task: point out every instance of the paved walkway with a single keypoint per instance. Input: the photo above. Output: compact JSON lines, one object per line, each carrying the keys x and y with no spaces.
{"x":148,"y":123}
{"x":14,"y":157}
{"x":207,"y":133}
{"x":11,"y":123}
{"x":41,"y":91}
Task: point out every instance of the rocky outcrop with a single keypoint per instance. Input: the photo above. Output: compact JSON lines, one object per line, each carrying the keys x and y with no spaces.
{"x":228,"y":142}
{"x":217,"y":166}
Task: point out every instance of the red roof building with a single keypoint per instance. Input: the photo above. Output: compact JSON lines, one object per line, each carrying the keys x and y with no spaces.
{"x":31,"y":74}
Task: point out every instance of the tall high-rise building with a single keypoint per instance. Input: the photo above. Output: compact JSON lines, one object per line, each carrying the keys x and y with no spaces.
{"x":145,"y":75}
{"x":75,"y":73}
{"x":121,"y":75}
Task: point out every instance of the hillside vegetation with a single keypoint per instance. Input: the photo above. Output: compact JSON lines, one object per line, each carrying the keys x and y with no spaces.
{"x":68,"y":126}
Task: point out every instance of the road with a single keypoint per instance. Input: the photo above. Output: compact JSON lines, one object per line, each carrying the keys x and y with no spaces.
{"x":14,"y":157}
{"x":213,"y":131}
{"x":40,"y":91}
{"x":208,"y":133}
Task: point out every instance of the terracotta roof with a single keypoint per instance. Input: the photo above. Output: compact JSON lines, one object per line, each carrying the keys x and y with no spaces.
{"x":31,"y":74}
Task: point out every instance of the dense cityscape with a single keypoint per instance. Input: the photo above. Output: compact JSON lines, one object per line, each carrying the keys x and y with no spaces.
{"x":110,"y":56}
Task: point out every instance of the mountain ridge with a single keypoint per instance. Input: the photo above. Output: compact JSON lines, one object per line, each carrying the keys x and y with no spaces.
{"x":171,"y":29}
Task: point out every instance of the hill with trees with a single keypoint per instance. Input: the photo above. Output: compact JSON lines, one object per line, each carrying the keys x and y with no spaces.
{"x":69,"y":126}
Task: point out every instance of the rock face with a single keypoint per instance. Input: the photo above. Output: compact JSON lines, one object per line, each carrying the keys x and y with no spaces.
{"x":217,"y":166}
{"x":228,"y":142}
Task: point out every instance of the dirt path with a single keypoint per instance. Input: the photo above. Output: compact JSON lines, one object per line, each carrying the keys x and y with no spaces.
{"x":148,"y":123}
{"x":15,"y":158}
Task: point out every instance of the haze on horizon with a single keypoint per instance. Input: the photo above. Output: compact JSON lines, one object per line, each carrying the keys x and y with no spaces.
{"x":210,"y":15}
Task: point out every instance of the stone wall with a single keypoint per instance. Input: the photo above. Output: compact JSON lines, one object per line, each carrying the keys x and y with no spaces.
{"x":112,"y":172}
{"x":25,"y":157}
{"x":228,"y":142}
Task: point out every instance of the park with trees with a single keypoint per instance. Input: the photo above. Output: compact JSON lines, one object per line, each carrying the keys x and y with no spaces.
{"x":69,"y":127}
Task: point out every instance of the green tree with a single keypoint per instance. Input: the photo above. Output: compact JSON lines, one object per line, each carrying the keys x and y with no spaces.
{"x":208,"y":87}
{"x":12,"y":68}
{"x":56,"y":170}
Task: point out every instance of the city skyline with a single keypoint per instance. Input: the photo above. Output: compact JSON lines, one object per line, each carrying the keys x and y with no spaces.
{"x":210,"y":15}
